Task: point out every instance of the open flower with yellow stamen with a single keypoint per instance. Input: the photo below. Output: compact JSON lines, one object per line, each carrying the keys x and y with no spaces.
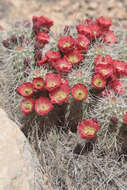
{"x":43,"y":106}
{"x":38,"y":83}
{"x":66,"y":43}
{"x":26,"y":89}
{"x":82,"y":42}
{"x":52,"y":81}
{"x":88,"y":128}
{"x":98,"y":81}
{"x":74,"y":57}
{"x":79,"y":92}
{"x":27,"y":105}
{"x":105,"y":70}
{"x":52,"y":55}
{"x":62,"y":65}
{"x":60,"y":95}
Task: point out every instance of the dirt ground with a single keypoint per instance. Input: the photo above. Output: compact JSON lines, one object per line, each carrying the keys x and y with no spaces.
{"x":61,"y":11}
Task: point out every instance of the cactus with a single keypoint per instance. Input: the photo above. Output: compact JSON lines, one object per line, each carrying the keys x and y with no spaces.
{"x":83,"y":70}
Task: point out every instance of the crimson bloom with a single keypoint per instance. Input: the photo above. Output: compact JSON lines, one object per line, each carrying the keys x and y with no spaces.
{"x":26,"y":89}
{"x":88,"y":129}
{"x":101,"y":60}
{"x":98,"y":81}
{"x":38,"y":83}
{"x":105,"y":70}
{"x":89,"y":21}
{"x":42,"y":61}
{"x":117,"y":86}
{"x":79,"y":92}
{"x":109,"y":37}
{"x":60,"y":95}
{"x":85,"y":30}
{"x":27,"y":105}
{"x":42,"y":21}
{"x":43,"y":106}
{"x":62,"y":65}
{"x":119,"y":67}
{"x":52,"y":81}
{"x":95,"y":31}
{"x":125,"y":118}
{"x":52,"y":55}
{"x":104,"y":23}
{"x":66,"y":43}
{"x":82,"y":42}
{"x":42,"y":38}
{"x":65,"y":82}
{"x":74,"y":57}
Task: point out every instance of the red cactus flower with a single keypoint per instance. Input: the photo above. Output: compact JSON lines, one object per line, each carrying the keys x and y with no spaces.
{"x":101,"y":60}
{"x":117,"y":86}
{"x":104,"y":23}
{"x":66,"y":43}
{"x":82,"y":42}
{"x":52,"y":81}
{"x":42,"y":61}
{"x":42,"y":38}
{"x":97,"y":59}
{"x":26,"y":89}
{"x":96,"y":32}
{"x":42,"y":21}
{"x":65,"y":82}
{"x":79,"y":92}
{"x":62,"y":65}
{"x":38,"y":83}
{"x":88,"y":129}
{"x":125,"y":118}
{"x":74,"y":57}
{"x":105,"y":70}
{"x":60,"y":95}
{"x":98,"y":81}
{"x":85,"y":30}
{"x":109,"y":37}
{"x":119,"y":67}
{"x":27,"y":105}
{"x":52,"y":55}
{"x":43,"y":106}
{"x":89,"y":21}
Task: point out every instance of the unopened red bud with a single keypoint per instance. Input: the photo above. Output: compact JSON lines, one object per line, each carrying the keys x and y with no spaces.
{"x":26,"y":61}
{"x":5,"y":43}
{"x":66,"y":29}
{"x":95,"y":120}
{"x":14,"y":39}
{"x":114,"y":120}
{"x":38,"y":55}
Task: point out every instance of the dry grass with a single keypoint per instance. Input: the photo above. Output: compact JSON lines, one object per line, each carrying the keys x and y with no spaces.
{"x":74,"y":164}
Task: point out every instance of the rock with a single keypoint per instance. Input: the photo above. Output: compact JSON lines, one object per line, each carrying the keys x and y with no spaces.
{"x":18,"y":165}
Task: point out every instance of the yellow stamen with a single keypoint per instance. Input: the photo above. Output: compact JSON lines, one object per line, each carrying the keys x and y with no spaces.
{"x":66,"y":44}
{"x":60,"y":95}
{"x":88,"y":130}
{"x":42,"y":107}
{"x":28,"y":105}
{"x":79,"y":93}
{"x":51,"y":83}
{"x":28,"y":91}
{"x":98,"y":82}
{"x":73,"y":59}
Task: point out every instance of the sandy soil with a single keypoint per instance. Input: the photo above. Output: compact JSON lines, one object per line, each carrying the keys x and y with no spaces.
{"x":61,"y":11}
